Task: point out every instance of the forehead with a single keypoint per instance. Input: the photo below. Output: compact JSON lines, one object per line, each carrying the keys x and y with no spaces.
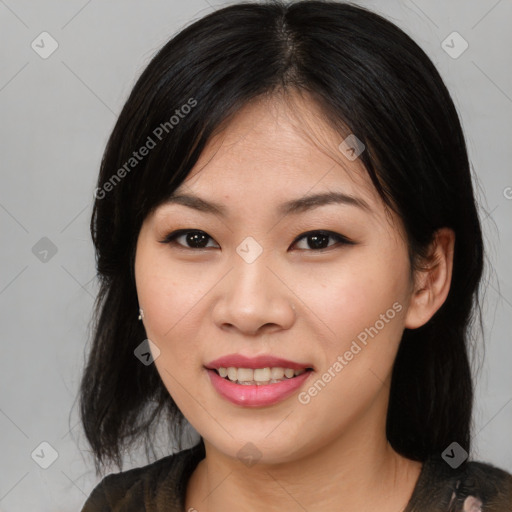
{"x":275,"y":150}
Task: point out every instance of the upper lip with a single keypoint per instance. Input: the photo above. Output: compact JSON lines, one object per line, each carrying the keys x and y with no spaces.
{"x":262,"y":361}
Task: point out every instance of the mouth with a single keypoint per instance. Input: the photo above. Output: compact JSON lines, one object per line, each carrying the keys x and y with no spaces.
{"x":258,"y":376}
{"x":256,"y":371}
{"x":258,"y":381}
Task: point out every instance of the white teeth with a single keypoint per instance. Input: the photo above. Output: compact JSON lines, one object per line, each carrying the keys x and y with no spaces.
{"x":289,"y":373}
{"x":258,"y":376}
{"x":277,"y":373}
{"x":245,"y":374}
{"x":232,"y":373}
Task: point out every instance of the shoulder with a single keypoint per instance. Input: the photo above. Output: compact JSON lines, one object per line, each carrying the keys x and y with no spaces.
{"x":484,"y":485}
{"x":151,"y":487}
{"x":472,"y":486}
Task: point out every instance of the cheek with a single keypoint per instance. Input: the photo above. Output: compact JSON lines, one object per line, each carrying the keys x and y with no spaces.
{"x":170,"y":320}
{"x":167,"y":301}
{"x":171,"y":294}
{"x":363,"y":306}
{"x":355,"y":296}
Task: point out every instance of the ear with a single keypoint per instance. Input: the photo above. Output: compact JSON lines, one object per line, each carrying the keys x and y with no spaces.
{"x":432,"y":280}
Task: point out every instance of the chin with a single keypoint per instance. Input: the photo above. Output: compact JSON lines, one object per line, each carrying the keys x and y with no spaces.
{"x":255,"y":446}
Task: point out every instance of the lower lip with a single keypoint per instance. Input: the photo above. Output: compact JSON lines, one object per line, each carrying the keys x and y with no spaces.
{"x":254,"y":395}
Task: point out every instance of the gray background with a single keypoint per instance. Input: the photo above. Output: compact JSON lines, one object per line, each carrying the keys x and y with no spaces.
{"x":56,"y":114}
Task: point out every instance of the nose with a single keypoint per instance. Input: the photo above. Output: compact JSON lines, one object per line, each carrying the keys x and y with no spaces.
{"x":252,"y":299}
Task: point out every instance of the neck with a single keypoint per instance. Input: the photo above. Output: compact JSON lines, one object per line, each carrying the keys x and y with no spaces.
{"x":358,"y":470}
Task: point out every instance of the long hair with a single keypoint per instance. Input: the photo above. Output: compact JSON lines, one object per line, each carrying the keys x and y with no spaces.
{"x":367,"y":76}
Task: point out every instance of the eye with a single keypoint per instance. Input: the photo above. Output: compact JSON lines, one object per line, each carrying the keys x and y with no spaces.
{"x":197,"y":239}
{"x":194,"y":238}
{"x":318,"y":240}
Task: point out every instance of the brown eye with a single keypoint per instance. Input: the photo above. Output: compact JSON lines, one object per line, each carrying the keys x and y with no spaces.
{"x":191,"y":239}
{"x":318,"y":240}
{"x":197,"y":239}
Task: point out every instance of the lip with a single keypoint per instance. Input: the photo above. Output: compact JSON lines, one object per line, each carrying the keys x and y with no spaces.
{"x":256,"y":395}
{"x":262,"y":361}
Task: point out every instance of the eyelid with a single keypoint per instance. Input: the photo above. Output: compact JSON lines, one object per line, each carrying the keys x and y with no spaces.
{"x":171,"y":238}
{"x":341,"y":239}
{"x":325,"y":232}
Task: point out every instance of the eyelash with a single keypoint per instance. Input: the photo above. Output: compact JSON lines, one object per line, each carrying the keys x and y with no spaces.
{"x":171,"y":239}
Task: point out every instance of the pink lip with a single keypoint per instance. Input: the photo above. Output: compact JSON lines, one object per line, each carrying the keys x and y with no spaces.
{"x":254,"y":395}
{"x":239,"y":361}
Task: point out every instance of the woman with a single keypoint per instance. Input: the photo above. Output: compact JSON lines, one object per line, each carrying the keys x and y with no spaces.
{"x":286,"y":204}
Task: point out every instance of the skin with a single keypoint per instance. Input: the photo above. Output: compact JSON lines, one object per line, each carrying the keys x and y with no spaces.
{"x":293,"y":301}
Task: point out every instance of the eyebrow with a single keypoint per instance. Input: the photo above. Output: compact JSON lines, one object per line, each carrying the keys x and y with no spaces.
{"x":294,"y":206}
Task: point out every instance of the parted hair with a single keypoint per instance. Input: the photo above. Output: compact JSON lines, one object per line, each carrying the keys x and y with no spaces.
{"x":366,"y":76}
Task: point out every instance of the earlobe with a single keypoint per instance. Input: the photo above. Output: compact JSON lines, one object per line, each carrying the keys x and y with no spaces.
{"x":432,"y":281}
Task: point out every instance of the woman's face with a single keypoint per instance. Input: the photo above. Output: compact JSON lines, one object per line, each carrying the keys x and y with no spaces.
{"x":253,"y":284}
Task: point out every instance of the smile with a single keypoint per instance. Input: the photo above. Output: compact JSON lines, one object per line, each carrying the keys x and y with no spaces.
{"x":258,"y":376}
{"x":259,"y":381}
